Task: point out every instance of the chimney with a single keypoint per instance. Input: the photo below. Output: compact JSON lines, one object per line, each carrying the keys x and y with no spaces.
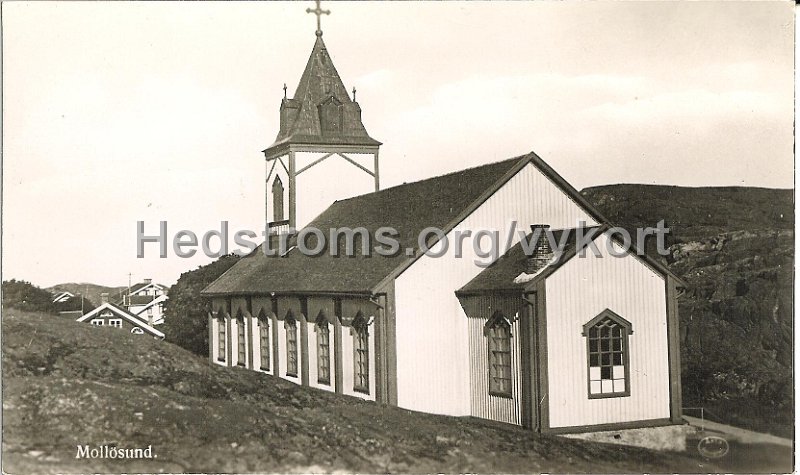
{"x":542,"y":253}
{"x":104,"y":297}
{"x":147,"y":281}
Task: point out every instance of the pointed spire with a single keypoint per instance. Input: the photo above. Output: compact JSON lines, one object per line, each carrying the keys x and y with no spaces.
{"x":321,"y":111}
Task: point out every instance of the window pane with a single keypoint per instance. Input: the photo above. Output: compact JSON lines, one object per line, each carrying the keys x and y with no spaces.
{"x":594,"y":387}
{"x":619,"y":372}
{"x":605,"y":372}
{"x":619,"y":385}
{"x":594,"y":374}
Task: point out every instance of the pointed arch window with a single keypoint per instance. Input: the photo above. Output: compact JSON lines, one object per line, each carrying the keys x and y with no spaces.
{"x":360,"y":354}
{"x":608,"y":355}
{"x":323,"y":350}
{"x":290,"y":324}
{"x":277,"y":199}
{"x":241,"y":340}
{"x":498,"y":333}
{"x":221,"y":349}
{"x":263,"y":339}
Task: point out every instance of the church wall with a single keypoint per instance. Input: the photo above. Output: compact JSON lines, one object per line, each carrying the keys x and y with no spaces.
{"x":578,"y":292}
{"x":432,"y":332}
{"x":332,"y":179}
{"x":483,"y":404}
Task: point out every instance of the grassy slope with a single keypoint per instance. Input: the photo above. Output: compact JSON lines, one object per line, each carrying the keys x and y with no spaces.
{"x":735,"y":248}
{"x":67,"y":383}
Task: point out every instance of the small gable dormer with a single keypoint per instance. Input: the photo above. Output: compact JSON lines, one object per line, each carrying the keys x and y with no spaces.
{"x":330,"y":116}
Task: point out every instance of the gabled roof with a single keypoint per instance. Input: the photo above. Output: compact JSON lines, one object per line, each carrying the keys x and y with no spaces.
{"x":143,"y":285}
{"x":441,"y":202}
{"x":123,"y":314}
{"x":300,"y":120}
{"x":501,"y":274}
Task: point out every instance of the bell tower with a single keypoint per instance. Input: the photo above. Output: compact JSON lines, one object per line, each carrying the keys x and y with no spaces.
{"x":322,"y":152}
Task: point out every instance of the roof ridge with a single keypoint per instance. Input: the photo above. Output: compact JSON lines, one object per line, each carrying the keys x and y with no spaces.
{"x":436,"y":177}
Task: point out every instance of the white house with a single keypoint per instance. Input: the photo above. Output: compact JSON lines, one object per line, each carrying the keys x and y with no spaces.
{"x":146,"y":300}
{"x":115,"y":316}
{"x":555,"y":343}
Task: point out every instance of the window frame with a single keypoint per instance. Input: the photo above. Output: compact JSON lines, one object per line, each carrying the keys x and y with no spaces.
{"x":222,"y":339}
{"x":498,"y":320}
{"x":264,"y":326}
{"x":241,"y":341}
{"x":290,"y":325}
{"x":278,"y":194}
{"x":627,"y":330}
{"x":360,"y":333}
{"x":322,"y":323}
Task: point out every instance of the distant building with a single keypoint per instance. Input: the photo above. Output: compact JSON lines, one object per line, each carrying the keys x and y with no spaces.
{"x":146,"y":300}
{"x":112,"y":315}
{"x":61,"y":297}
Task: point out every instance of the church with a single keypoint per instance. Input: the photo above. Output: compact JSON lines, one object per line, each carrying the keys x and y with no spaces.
{"x":557,"y":342}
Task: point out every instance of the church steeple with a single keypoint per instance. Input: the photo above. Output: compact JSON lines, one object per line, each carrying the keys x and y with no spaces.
{"x":319,"y":125}
{"x":321,"y":111}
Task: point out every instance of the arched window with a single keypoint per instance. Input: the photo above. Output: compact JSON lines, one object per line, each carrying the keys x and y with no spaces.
{"x":323,"y":350}
{"x":263,"y":335}
{"x":498,"y":332}
{"x":241,"y":340}
{"x":360,"y":354}
{"x":277,"y":199}
{"x":290,"y":324}
{"x":221,"y":349}
{"x":608,"y":355}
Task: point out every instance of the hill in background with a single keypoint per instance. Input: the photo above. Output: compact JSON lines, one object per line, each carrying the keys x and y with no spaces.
{"x":90,"y":291}
{"x":735,"y":249}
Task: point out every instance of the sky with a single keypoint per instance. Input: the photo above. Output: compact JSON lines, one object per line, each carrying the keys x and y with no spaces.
{"x":118,"y":112}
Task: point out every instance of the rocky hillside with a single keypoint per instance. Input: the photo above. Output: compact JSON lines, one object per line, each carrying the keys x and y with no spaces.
{"x":68,"y":384}
{"x":735,"y":248}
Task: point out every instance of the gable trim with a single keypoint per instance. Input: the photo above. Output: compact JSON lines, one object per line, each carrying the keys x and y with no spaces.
{"x":124,"y":314}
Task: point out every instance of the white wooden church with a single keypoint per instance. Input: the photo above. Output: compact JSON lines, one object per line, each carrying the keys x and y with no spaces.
{"x":554,"y":343}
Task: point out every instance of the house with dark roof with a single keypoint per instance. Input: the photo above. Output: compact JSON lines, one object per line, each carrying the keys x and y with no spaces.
{"x":552,"y":339}
{"x":146,"y":300}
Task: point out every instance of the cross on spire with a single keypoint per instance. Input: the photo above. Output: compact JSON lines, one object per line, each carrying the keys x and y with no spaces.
{"x":319,"y":12}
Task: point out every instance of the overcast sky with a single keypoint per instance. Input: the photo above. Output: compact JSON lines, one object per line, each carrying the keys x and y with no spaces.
{"x":118,"y":112}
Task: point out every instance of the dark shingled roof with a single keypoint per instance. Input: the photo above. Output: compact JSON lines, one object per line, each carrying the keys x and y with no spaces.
{"x":501,"y":273}
{"x":300,"y":116}
{"x":441,"y":202}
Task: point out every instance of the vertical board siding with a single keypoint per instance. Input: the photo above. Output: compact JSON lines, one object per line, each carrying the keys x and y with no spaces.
{"x":483,"y":404}
{"x":578,"y":292}
{"x":432,"y":335}
{"x":317,"y":191}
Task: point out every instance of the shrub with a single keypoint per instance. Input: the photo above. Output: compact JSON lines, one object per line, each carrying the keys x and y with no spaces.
{"x":185,"y":313}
